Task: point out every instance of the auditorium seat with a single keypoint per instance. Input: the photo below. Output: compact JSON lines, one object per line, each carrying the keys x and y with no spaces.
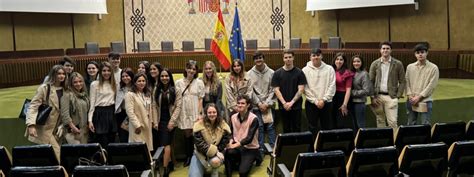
{"x":412,"y":134}
{"x":334,"y":43}
{"x":167,"y":46}
{"x":448,"y":132}
{"x":337,"y":139}
{"x":424,"y":160}
{"x":5,"y":160}
{"x":34,"y":155}
{"x":143,"y":46}
{"x":135,"y":156}
{"x":117,"y":47}
{"x":207,"y":44}
{"x":39,"y":171}
{"x":327,"y":164}
{"x":101,"y":171}
{"x":188,"y":45}
{"x":251,"y":44}
{"x":315,"y":42}
{"x":461,"y":158}
{"x":92,"y":48}
{"x":371,"y":162}
{"x":287,"y":147}
{"x":470,"y":130}
{"x":374,"y":137}
{"x":71,"y":154}
{"x":295,"y":43}
{"x":275,"y":43}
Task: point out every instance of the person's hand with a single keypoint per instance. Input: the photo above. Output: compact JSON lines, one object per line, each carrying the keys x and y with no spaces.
{"x":91,"y":127}
{"x":200,"y":117}
{"x":320,"y":104}
{"x":155,"y":126}
{"x":32,"y":131}
{"x":375,"y":101}
{"x":343,"y":109}
{"x":220,"y":156}
{"x":234,"y":145}
{"x":263,"y":107}
{"x":415,"y":100}
{"x":138,"y":130}
{"x":74,"y":129}
{"x":170,"y":126}
{"x":288,"y":105}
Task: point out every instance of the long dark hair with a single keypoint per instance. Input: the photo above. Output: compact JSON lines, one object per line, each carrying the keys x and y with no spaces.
{"x":344,"y":65}
{"x":163,"y":88}
{"x":130,"y":73}
{"x":146,"y":90}
{"x":152,"y":80}
{"x":362,"y":63}
{"x":207,"y":121}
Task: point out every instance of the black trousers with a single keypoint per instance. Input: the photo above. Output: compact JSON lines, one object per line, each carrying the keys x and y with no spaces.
{"x":319,"y":119}
{"x":339,"y":120}
{"x":291,"y":120}
{"x":241,"y":157}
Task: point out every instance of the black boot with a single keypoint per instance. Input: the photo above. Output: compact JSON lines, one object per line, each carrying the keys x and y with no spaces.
{"x":166,"y":172}
{"x":171,"y":166}
{"x":189,"y":148}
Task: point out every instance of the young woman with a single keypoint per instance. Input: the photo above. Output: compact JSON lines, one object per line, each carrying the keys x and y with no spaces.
{"x":236,"y":84}
{"x":120,"y":113}
{"x":139,"y":111}
{"x":211,"y":136}
{"x":243,"y":147}
{"x":92,"y":69}
{"x":361,"y":88}
{"x":101,"y":118}
{"x":74,"y":109}
{"x":168,"y":105}
{"x":43,"y":134}
{"x":155,"y":70}
{"x":144,"y":66}
{"x":192,"y":92}
{"x":343,"y":92}
{"x":212,"y":87}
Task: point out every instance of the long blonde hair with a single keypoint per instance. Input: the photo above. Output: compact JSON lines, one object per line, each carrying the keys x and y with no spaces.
{"x":112,"y":76}
{"x":214,"y":80}
{"x":73,"y":76}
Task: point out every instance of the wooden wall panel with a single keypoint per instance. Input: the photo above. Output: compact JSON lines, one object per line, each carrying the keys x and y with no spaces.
{"x":303,"y":24}
{"x":42,"y":31}
{"x":88,"y":28}
{"x":327,"y":24}
{"x":6,"y":35}
{"x":429,"y":23}
{"x":462,"y":24}
{"x":364,"y":24}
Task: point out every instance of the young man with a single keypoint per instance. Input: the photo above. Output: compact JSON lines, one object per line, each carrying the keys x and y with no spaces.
{"x":288,"y":83}
{"x":68,"y":64}
{"x":263,"y":99}
{"x":319,"y":92}
{"x":388,"y":78}
{"x":114,"y":59}
{"x":422,"y":77}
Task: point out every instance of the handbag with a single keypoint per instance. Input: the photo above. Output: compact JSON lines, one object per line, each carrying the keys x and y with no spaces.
{"x":43,"y":110}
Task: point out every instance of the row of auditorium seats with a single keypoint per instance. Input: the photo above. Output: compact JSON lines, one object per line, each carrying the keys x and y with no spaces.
{"x":442,"y":135}
{"x":130,"y":159}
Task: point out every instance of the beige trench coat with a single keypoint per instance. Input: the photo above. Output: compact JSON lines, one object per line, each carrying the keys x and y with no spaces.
{"x":139,"y":116}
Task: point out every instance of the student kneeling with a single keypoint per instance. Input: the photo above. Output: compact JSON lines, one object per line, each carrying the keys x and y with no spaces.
{"x":211,"y":136}
{"x":243,"y":147}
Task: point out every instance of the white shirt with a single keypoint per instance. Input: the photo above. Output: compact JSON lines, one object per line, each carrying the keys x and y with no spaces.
{"x":385,"y":67}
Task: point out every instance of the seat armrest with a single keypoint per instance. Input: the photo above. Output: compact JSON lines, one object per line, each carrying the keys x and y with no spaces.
{"x":283,"y":171}
{"x":146,"y":173}
{"x":268,"y":148}
{"x":158,"y":153}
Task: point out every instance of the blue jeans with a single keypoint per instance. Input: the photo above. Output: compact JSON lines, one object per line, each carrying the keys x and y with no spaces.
{"x":359,"y":114}
{"x":425,"y":117}
{"x":196,"y":169}
{"x":261,"y":129}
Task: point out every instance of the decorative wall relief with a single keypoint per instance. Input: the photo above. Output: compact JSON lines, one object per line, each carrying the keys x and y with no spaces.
{"x":180,"y":20}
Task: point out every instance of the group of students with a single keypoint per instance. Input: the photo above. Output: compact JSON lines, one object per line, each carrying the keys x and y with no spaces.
{"x":111,"y":104}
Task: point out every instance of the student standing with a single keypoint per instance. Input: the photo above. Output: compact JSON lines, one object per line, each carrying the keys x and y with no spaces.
{"x":74,"y":109}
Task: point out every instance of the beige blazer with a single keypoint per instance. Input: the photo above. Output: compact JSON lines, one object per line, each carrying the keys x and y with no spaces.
{"x":139,"y":116}
{"x":45,"y":132}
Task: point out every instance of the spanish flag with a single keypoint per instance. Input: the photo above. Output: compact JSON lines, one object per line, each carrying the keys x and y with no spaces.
{"x":220,"y":43}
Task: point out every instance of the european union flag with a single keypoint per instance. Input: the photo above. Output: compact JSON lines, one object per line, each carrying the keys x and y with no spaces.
{"x":236,"y":44}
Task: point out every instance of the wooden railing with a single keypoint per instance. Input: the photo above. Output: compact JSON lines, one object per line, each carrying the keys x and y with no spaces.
{"x":28,"y":71}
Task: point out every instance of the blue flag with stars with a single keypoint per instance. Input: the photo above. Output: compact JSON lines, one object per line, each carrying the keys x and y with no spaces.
{"x":236,"y":44}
